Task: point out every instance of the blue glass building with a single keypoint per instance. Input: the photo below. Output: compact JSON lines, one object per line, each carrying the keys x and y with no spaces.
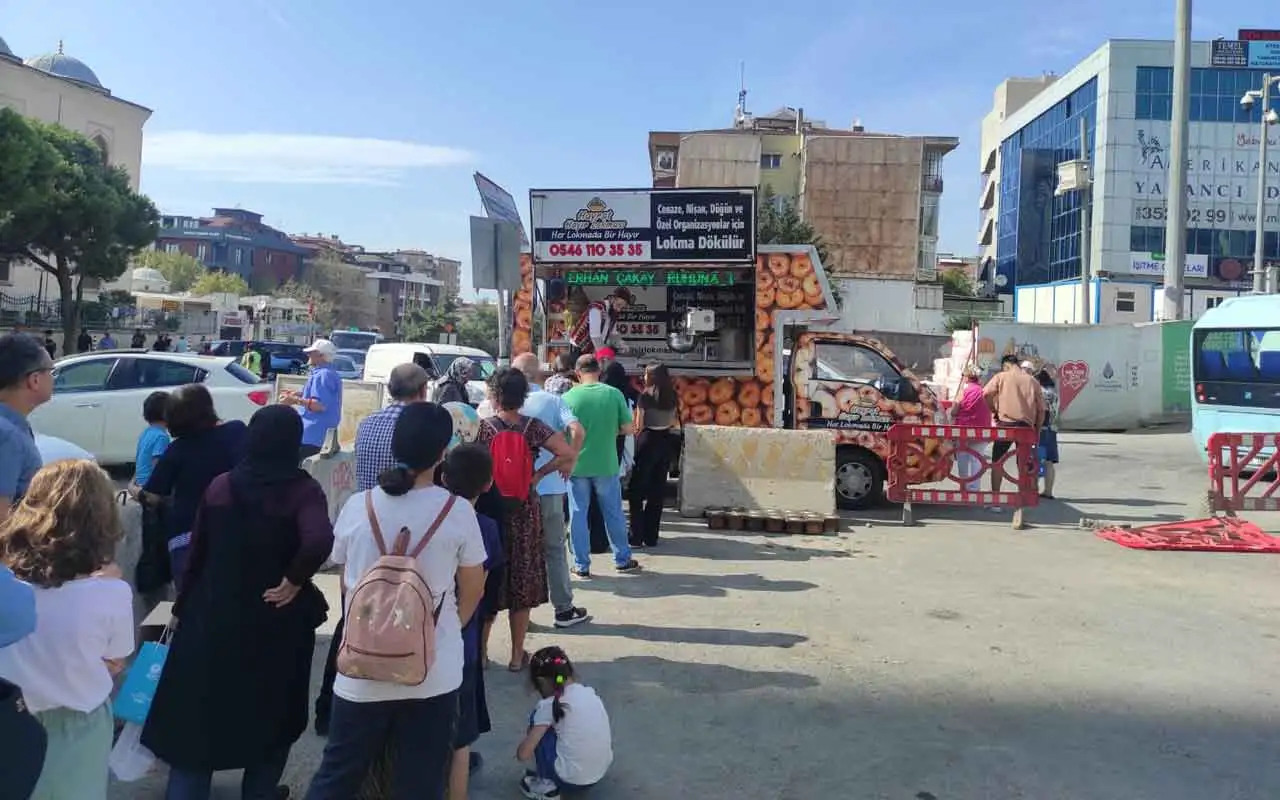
{"x":1123,"y":92}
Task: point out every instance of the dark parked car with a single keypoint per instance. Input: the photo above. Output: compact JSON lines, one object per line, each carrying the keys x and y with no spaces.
{"x":286,"y":358}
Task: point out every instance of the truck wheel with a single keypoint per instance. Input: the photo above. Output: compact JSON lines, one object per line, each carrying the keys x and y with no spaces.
{"x":859,"y":479}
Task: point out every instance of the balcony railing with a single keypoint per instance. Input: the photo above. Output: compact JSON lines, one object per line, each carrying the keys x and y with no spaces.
{"x":931,"y":183}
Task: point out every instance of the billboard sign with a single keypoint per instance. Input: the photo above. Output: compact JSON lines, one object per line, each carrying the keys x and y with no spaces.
{"x":1264,"y":55}
{"x":499,"y":204}
{"x":1193,"y":266}
{"x":1254,"y":49}
{"x":1229,"y":53}
{"x":583,"y":226}
{"x":1222,"y":175}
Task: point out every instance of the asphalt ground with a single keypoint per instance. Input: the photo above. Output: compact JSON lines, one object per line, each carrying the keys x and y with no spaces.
{"x":954,"y":660}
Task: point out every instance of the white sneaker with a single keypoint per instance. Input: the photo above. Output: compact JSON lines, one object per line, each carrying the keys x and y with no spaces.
{"x":536,"y":788}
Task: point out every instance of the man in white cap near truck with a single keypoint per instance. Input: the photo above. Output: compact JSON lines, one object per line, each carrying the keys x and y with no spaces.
{"x":320,"y":401}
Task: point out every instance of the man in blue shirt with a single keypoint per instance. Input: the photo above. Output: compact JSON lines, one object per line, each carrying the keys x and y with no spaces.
{"x":26,"y":381}
{"x":17,"y":608}
{"x":320,"y":402}
{"x":552,"y":489}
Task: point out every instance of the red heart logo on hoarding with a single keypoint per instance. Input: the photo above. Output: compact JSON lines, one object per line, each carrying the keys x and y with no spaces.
{"x":1072,"y":377}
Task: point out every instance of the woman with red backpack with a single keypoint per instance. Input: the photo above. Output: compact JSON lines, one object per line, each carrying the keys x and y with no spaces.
{"x":514,"y":441}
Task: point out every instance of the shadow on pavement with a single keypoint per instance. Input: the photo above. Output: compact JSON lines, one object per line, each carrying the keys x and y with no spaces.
{"x":1133,"y":502}
{"x":721,"y":732}
{"x":698,"y":636}
{"x":653,"y":583}
{"x":736,"y":546}
{"x":1048,"y":514}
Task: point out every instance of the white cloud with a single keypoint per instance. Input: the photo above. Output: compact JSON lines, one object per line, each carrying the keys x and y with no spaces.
{"x":294,"y":158}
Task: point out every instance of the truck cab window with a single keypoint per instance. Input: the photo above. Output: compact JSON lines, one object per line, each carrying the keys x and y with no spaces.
{"x":851,"y":363}
{"x":848,"y":363}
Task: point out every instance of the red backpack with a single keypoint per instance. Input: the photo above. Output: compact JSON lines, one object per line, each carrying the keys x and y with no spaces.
{"x":512,"y":459}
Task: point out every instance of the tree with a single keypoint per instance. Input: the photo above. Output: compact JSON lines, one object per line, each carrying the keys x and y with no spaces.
{"x":426,"y":324}
{"x":179,"y":269}
{"x":956,"y":281}
{"x":321,"y":309}
{"x":346,"y":289}
{"x":29,"y":164}
{"x":85,"y":221}
{"x":479,"y":328}
{"x":779,"y":222}
{"x":218,"y":282}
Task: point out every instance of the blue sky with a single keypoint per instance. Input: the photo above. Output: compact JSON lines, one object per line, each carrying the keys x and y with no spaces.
{"x":367,"y":119}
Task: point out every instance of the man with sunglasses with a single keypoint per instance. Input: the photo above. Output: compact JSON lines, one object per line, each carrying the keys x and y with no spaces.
{"x":26,"y":381}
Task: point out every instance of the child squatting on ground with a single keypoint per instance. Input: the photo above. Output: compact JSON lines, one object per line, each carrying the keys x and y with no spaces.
{"x":468,"y":473}
{"x":569,"y":739}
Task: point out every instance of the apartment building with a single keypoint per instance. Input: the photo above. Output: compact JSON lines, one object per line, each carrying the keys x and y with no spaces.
{"x":873,"y":197}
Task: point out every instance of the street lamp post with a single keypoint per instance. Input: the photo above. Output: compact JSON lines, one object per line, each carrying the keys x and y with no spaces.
{"x":1269,"y":117}
{"x":1075,"y":176}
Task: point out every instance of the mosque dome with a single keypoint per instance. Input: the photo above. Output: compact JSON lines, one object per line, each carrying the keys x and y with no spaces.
{"x":65,"y":66}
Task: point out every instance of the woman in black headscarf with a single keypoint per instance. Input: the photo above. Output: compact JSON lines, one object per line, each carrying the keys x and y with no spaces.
{"x":233,"y":694}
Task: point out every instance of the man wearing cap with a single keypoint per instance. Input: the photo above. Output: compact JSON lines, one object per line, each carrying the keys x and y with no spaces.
{"x":406,"y":384}
{"x":320,"y":402}
{"x":598,"y":327}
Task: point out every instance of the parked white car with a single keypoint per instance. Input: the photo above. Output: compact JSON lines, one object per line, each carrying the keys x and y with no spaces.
{"x":97,"y":397}
{"x":54,"y":449}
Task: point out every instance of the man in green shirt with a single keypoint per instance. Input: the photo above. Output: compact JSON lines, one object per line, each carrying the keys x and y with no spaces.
{"x":604,"y":413}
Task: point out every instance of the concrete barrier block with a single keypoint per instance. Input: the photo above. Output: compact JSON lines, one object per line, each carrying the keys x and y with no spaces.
{"x":336,"y":474}
{"x":757,"y":468}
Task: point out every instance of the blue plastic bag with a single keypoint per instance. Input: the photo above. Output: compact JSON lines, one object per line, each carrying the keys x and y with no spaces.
{"x":1040,"y":452}
{"x":134,"y":700}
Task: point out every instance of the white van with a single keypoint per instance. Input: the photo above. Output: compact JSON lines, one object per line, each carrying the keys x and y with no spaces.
{"x":434,"y":358}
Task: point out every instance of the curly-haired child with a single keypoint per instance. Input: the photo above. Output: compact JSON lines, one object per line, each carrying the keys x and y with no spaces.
{"x":61,"y":539}
{"x":569,"y":738}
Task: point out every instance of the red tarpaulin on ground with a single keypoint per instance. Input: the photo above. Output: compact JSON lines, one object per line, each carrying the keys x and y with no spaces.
{"x":1218,"y":534}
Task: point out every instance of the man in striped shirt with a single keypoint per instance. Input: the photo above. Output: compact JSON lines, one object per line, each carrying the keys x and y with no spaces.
{"x":406,"y":384}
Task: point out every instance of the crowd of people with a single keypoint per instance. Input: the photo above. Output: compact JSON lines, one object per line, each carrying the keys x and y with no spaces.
{"x":1020,"y":395}
{"x":449,"y":528}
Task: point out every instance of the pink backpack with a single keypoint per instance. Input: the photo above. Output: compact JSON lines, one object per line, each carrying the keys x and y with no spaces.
{"x":389,"y":634}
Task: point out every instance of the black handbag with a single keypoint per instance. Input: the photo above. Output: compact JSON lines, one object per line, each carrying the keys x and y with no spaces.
{"x":22,"y":757}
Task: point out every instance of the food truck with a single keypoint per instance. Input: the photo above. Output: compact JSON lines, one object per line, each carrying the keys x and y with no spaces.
{"x":751,"y":334}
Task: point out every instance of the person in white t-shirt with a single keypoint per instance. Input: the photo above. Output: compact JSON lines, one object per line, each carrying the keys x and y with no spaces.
{"x":61,"y":539}
{"x":569,"y":738}
{"x":414,"y":723}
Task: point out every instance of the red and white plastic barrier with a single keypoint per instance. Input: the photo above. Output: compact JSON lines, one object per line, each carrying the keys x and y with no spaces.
{"x":916,"y":450}
{"x":1244,"y":472}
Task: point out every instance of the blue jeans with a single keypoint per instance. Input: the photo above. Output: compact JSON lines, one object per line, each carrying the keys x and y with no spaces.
{"x":608,"y":493}
{"x":544,"y":759}
{"x":259,"y":781}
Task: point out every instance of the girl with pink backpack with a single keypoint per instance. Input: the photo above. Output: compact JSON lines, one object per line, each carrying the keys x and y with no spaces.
{"x":413,"y":574}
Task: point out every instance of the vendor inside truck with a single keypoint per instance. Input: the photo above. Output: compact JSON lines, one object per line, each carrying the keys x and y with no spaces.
{"x":596,"y":322}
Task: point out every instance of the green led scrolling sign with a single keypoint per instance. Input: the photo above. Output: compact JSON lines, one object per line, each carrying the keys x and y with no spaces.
{"x":650,"y":277}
